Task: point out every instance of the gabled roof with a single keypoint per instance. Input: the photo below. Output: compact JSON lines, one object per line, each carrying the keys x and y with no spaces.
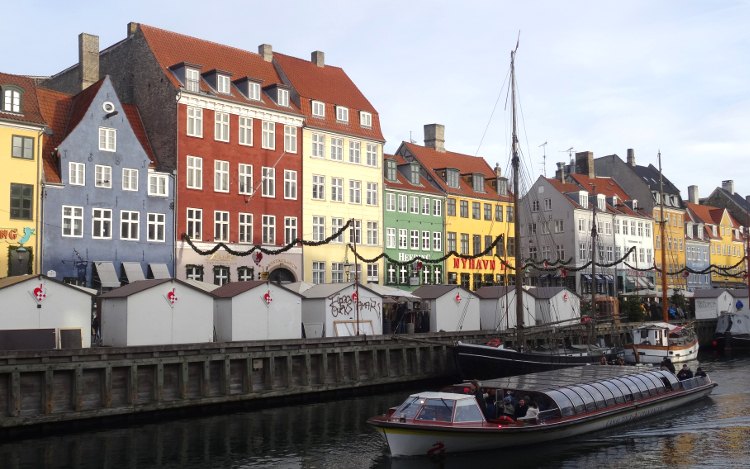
{"x":548,"y":292}
{"x":709,"y":293}
{"x":650,"y":175}
{"x":325,"y":290}
{"x":29,"y":105}
{"x":16,"y":279}
{"x":171,"y":49}
{"x":402,"y":182}
{"x":433,"y":161}
{"x":494,"y":291}
{"x":233,"y":289}
{"x":332,"y":86}
{"x":430,"y":292}
{"x":609,"y":188}
{"x":742,"y":202}
{"x":143,"y":285}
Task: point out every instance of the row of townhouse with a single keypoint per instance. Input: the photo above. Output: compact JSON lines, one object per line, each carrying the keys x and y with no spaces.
{"x":145,"y":156}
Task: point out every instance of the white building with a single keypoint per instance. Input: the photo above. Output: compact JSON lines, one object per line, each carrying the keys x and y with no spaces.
{"x":340,"y":310}
{"x":710,"y":302}
{"x":497,"y":306}
{"x":555,"y":305}
{"x":256,"y":310}
{"x":450,"y":307}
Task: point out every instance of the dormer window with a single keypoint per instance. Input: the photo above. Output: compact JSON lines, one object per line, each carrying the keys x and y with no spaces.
{"x":222,"y":84}
{"x":615,"y":201}
{"x":390,"y":170}
{"x":192,"y":80}
{"x":635,"y":204}
{"x":600,"y":202}
{"x":11,"y":100}
{"x":365,"y":119}
{"x":451,"y":178}
{"x":477,"y":182}
{"x":253,"y":91}
{"x":282,"y":97}
{"x":318,"y":109}
{"x":342,"y":114}
{"x":414,"y":173}
{"x":583,"y":199}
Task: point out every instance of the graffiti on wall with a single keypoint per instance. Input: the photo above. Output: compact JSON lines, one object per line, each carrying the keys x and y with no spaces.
{"x":345,"y":305}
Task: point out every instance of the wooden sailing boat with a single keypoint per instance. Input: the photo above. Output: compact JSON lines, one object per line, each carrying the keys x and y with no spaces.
{"x":479,"y":361}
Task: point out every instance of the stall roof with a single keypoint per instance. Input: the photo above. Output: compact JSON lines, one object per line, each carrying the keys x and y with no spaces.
{"x":233,"y":289}
{"x":325,"y":290}
{"x":397,"y":293}
{"x":159,"y":270}
{"x":107,"y":275}
{"x":133,"y":271}
{"x":435,"y":291}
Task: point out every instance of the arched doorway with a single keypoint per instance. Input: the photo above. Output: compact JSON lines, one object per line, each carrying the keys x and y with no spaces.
{"x":281,"y":275}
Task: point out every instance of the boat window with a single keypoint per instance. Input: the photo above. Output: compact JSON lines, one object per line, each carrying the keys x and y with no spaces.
{"x":589,"y":400}
{"x":467,"y":410}
{"x":644,"y":384}
{"x":575,"y":398}
{"x":635,"y":392}
{"x":438,"y":410}
{"x":664,"y":374}
{"x":607,"y":393}
{"x":409,"y":408}
{"x":655,"y":386}
{"x":596,"y":394}
{"x":624,"y":390}
{"x":563,"y":402}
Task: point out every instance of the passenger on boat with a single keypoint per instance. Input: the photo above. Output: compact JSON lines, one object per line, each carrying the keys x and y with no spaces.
{"x":491,"y":407}
{"x":603,"y":360}
{"x":620,"y":361}
{"x":479,"y":396}
{"x":685,"y":373}
{"x":667,"y":364}
{"x":532,"y":413}
{"x":699,"y":372}
{"x":521,"y":409}
{"x":508,"y":408}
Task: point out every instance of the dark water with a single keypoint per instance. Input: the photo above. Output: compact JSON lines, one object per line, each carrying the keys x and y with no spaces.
{"x":714,"y":432}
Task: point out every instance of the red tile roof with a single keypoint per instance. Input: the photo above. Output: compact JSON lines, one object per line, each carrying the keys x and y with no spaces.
{"x":29,"y":105}
{"x":404,"y":183}
{"x":171,"y":48}
{"x":603,"y":185}
{"x":332,"y":86}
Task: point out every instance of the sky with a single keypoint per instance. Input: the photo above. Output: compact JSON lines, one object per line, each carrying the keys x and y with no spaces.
{"x":671,"y":76}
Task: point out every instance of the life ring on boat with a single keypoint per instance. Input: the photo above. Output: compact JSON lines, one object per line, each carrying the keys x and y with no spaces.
{"x":495,"y":342}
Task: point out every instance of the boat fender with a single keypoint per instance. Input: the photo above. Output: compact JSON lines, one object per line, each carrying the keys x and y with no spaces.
{"x":494,"y":342}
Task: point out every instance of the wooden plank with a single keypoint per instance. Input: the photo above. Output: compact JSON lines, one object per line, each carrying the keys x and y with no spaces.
{"x":49,"y":391}
{"x":78,"y":389}
{"x":107,"y":387}
{"x":15,"y":394}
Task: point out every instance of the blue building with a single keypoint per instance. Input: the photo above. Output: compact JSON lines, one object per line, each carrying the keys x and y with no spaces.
{"x":107,"y":213}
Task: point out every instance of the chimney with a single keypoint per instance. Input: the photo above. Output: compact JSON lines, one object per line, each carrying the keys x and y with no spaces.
{"x":560,"y":173}
{"x":728,"y":186}
{"x":498,"y":171}
{"x":132,"y":28}
{"x":266,"y":51}
{"x":318,"y":58}
{"x":88,"y":59}
{"x":631,"y":158}
{"x":434,"y":137}
{"x":585,"y":164}
{"x":693,"y":194}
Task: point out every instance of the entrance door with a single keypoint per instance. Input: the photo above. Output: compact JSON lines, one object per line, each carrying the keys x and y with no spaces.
{"x":281,"y":275}
{"x":19,"y":262}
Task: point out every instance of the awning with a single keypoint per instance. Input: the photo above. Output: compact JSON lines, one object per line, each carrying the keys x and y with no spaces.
{"x":133,"y":271}
{"x":159,"y":271}
{"x":586,"y":277}
{"x":609,"y":278}
{"x":105,"y":271}
{"x":641,"y":282}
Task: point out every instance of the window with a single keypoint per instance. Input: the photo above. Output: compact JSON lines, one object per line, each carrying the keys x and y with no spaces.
{"x":390,"y":238}
{"x":318,"y":145}
{"x":129,"y":179}
{"x":101,"y":223}
{"x":372,"y":233}
{"x":245,"y":179}
{"x":617,"y":226}
{"x":337,"y":149}
{"x":107,"y":139}
{"x":437,"y":208}
{"x":318,"y":187}
{"x":355,"y":232}
{"x":23,"y":147}
{"x":72,"y":221}
{"x":402,"y":238}
{"x":414,"y":239}
{"x":12,"y":100}
{"x":640,"y":228}
{"x":451,"y":207}
{"x":533,"y":252}
{"x":221,"y":275}
{"x":156,"y":227}
{"x":245,"y":225}
{"x":246,"y":131}
{"x":194,"y":223}
{"x":336,"y":225}
{"x":534,"y":205}
{"x":221,"y":226}
{"x":355,"y":192}
{"x":194,"y":272}
{"x":222,"y":84}
{"x":192,"y":80}
{"x":437,"y":241}
{"x":581,"y":225}
{"x":129,"y":225}
{"x":221,"y":127}
{"x":425,"y":206}
{"x":282,"y":97}
{"x":372,"y":273}
{"x":464,"y":243}
{"x":390,"y":202}
{"x":425,"y":240}
{"x":245,"y":273}
{"x":476,"y":241}
{"x":354,"y":151}
{"x":319,"y":228}
{"x":464,"y":209}
{"x":290,"y":229}
{"x":318,"y":109}
{"x":371,"y":154}
{"x":477,"y":182}
{"x":414,"y":205}
{"x":476,"y":209}
{"x":337,"y":189}
{"x":560,"y":252}
{"x":157,"y":184}
{"x":365,"y":119}
{"x":390,"y":170}
{"x":451,"y":178}
{"x":582,"y":251}
{"x":221,"y":176}
{"x":194,"y":172}
{"x":290,"y":139}
{"x":103,"y":176}
{"x":268,"y":182}
{"x":372,"y":193}
{"x":403,"y":203}
{"x":253,"y":91}
{"x":342,"y":114}
{"x":290,"y":184}
{"x":488,"y":212}
{"x":269,"y":136}
{"x":337,"y":272}
{"x":76,"y":174}
{"x":318,"y":272}
{"x":269,"y":229}
{"x":547,"y":204}
{"x":451,"y":241}
{"x":195,"y":122}
{"x":509,"y":213}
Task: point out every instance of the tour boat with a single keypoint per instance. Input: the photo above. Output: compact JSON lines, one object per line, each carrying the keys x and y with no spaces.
{"x":571,"y":401}
{"x":652,"y":342}
{"x":732,"y":331}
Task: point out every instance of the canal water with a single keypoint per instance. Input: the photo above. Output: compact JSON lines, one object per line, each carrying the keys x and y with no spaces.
{"x":714,"y":432}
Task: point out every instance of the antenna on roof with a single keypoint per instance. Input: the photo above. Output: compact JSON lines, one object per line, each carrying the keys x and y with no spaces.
{"x":569,"y":151}
{"x":411,"y":140}
{"x":544,"y":158}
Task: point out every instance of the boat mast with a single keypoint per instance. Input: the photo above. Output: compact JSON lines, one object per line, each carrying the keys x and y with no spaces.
{"x":515,"y":163}
{"x":664,"y":311}
{"x":593,"y":257}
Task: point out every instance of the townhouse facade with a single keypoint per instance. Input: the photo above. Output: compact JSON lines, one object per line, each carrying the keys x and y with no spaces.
{"x":414,"y":225}
{"x":697,"y":245}
{"x":22,"y":135}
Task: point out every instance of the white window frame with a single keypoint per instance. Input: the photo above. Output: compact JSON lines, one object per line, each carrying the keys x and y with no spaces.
{"x":221,"y":126}
{"x":318,"y":187}
{"x":390,"y":238}
{"x":318,"y":228}
{"x":245,"y":131}
{"x":194,"y":223}
{"x":72,"y":221}
{"x":269,"y":135}
{"x":103,"y":176}
{"x":282,"y":97}
{"x":337,"y":189}
{"x":414,"y":204}
{"x":269,"y":229}
{"x":130,"y":179}
{"x":371,"y":155}
{"x":318,"y":108}
{"x":290,"y":229}
{"x":414,"y":239}
{"x":390,"y":202}
{"x":318,"y":142}
{"x":192,"y":80}
{"x":245,"y":228}
{"x":245,"y":179}
{"x":290,"y":139}
{"x":336,"y":224}
{"x":403,"y":238}
{"x":337,"y":149}
{"x":268,"y":182}
{"x":107,"y":139}
{"x":253,"y":91}
{"x":437,"y":208}
{"x":318,"y":272}
{"x":425,"y":206}
{"x":342,"y":114}
{"x":290,"y":184}
{"x":221,"y":226}
{"x":372,"y":233}
{"x":403,"y":203}
{"x":194,"y":122}
{"x":437,"y":241}
{"x":426,"y":240}
{"x":101,"y":221}
{"x":365,"y":119}
{"x":76,"y":174}
{"x":221,"y":176}
{"x":355,"y":151}
{"x":355,"y":191}
{"x":371,"y":196}
{"x":158,"y":185}
{"x":130,"y":222}
{"x":222,"y":84}
{"x":194,"y":172}
{"x":157,"y":227}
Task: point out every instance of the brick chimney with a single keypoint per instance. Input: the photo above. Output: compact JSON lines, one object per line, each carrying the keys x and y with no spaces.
{"x":132,"y":28}
{"x":560,"y":173}
{"x":88,"y":59}
{"x":434,"y":137}
{"x":266,"y":51}
{"x":728,"y":186}
{"x":693,"y":194}
{"x":585,"y":164}
{"x":318,"y":58}
{"x":631,"y":158}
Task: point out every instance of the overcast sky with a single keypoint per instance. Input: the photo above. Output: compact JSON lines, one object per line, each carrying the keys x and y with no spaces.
{"x":601,"y":76}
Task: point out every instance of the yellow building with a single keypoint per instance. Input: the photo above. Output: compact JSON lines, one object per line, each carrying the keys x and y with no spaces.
{"x":478,"y":210}
{"x":726,"y":249}
{"x":22,"y":130}
{"x":670,"y":234}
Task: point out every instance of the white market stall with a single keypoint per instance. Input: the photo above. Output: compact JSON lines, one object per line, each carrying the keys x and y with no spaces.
{"x":450,"y":307}
{"x":555,"y":304}
{"x":710,"y":302}
{"x":497,"y":305}
{"x":340,"y":310}
{"x":156,"y":312}
{"x":741,"y":299}
{"x":41,"y":313}
{"x":256,"y":310}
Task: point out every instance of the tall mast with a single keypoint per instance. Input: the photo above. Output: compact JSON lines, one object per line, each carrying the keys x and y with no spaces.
{"x":515,"y":163}
{"x":664,"y":311}
{"x":593,"y":257}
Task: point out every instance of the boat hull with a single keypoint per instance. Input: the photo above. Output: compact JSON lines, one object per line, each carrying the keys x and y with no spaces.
{"x":654,"y":354}
{"x":405,"y":440}
{"x":732,"y":332}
